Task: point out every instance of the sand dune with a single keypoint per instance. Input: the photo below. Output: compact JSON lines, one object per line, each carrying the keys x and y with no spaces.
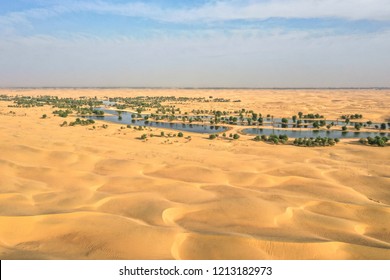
{"x":76,"y":193}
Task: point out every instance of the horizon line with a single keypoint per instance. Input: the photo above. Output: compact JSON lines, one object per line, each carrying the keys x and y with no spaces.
{"x":163,"y":87}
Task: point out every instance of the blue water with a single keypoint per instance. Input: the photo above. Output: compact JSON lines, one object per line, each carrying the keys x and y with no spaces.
{"x":113,"y":116}
{"x":314,"y":133}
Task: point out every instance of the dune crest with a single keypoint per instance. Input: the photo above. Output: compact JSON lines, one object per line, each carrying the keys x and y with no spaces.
{"x":104,"y":193}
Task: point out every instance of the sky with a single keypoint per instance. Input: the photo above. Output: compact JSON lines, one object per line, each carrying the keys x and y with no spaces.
{"x":206,"y":43}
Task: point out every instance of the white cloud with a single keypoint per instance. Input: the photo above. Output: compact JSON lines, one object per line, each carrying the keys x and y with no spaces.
{"x":218,"y":10}
{"x":245,"y":57}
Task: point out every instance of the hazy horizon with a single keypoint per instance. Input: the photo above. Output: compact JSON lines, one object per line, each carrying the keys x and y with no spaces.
{"x":208,"y":44}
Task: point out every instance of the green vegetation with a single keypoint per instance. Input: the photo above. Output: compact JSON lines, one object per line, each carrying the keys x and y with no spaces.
{"x":358,"y":126}
{"x":315,"y":142}
{"x":62,"y":113}
{"x":167,"y":108}
{"x":310,"y":116}
{"x":352,"y":116}
{"x":79,"y":121}
{"x":54,"y":101}
{"x":273,"y":139}
{"x":379,"y":141}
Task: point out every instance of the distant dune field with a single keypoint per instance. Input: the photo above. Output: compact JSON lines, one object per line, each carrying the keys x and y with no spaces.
{"x":78,"y":193}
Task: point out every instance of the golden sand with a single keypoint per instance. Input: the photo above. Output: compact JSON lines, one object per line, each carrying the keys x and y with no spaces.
{"x":78,"y":193}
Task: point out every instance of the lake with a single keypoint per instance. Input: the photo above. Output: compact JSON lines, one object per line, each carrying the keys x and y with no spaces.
{"x":113,"y":116}
{"x":314,"y":133}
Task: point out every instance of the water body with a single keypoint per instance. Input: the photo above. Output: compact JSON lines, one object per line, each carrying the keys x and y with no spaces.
{"x":109,"y":103}
{"x":314,"y":133}
{"x":113,"y":116}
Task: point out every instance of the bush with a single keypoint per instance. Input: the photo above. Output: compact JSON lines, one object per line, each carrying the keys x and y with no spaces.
{"x":81,"y":122}
{"x":236,"y":136}
{"x":375,"y":141}
{"x":315,"y":142}
{"x":212,"y":136}
{"x":180,"y":134}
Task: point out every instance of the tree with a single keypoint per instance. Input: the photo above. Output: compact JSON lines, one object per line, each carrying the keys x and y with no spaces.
{"x":44,"y":116}
{"x":383,"y":126}
{"x":254,"y":116}
{"x":212,"y":136}
{"x":236,"y":136}
{"x":180,"y":134}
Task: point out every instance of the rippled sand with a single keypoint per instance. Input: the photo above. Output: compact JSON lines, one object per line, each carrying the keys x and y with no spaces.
{"x":76,"y":193}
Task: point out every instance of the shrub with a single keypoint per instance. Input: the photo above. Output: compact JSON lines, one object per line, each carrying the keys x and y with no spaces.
{"x":375,"y":141}
{"x":315,"y":142}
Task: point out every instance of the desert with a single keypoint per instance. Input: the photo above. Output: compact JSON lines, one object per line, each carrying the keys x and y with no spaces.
{"x":103,"y":191}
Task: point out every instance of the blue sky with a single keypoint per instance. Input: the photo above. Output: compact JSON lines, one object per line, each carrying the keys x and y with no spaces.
{"x":208,"y":43}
